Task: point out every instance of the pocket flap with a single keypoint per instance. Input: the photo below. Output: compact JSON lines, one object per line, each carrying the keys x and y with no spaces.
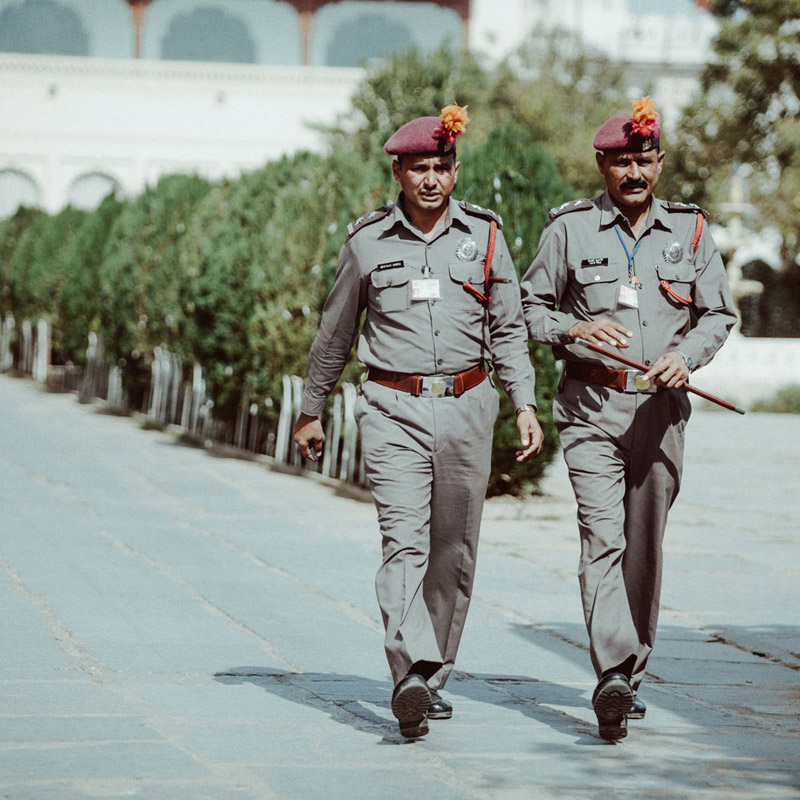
{"x":602,"y":273}
{"x":463,"y":271}
{"x":382,"y":278}
{"x":681,"y":273}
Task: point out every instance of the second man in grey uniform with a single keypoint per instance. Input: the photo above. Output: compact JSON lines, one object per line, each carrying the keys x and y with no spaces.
{"x":626,"y":270}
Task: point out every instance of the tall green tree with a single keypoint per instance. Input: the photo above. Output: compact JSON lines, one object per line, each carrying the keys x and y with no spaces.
{"x":561,"y":91}
{"x":746,"y":122}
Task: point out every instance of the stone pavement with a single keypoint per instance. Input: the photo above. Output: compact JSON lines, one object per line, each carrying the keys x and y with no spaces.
{"x":177,"y":625}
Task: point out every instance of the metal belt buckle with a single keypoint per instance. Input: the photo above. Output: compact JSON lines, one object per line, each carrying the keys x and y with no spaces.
{"x":438,"y":386}
{"x":635,"y":382}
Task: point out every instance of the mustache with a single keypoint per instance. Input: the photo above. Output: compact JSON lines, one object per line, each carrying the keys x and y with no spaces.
{"x":640,"y":184}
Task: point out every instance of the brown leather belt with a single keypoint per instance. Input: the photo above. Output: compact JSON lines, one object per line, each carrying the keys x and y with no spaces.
{"x":623,"y":380}
{"x":429,"y":385}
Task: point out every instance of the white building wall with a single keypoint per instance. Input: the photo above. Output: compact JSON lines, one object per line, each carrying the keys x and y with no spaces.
{"x":136,"y":120}
{"x":663,"y":44}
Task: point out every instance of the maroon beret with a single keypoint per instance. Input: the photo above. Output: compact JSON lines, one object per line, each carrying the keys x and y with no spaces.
{"x":422,"y":137}
{"x":621,"y":133}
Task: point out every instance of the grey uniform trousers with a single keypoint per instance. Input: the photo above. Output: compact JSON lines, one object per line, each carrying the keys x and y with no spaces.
{"x":427,"y":462}
{"x":624,"y":454}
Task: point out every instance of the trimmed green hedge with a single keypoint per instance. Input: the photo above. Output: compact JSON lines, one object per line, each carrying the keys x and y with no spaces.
{"x":233,"y":275}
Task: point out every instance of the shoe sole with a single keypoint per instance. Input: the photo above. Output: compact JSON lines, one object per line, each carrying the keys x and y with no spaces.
{"x":611,"y":706}
{"x":440,"y":714}
{"x":613,"y":731}
{"x":410,"y":706}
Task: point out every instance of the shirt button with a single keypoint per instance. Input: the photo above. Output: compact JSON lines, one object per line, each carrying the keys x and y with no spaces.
{"x":439,"y":361}
{"x":647,"y":363}
{"x":433,"y":302}
{"x":436,"y":333}
{"x":389,"y":282}
{"x":644,"y":322}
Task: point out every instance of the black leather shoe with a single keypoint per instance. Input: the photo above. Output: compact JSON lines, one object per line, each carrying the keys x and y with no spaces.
{"x":411,"y":700}
{"x":440,"y":708}
{"x":612,"y":702}
{"x":638,"y":710}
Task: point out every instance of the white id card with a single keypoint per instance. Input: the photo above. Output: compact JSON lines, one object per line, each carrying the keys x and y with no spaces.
{"x":628,"y":296}
{"x":425,"y":289}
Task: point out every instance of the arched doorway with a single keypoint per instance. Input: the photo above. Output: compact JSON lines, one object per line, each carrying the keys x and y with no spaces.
{"x":209,"y":34}
{"x":43,"y":26}
{"x":372,"y":36}
{"x":87,"y":191}
{"x":17,"y":189}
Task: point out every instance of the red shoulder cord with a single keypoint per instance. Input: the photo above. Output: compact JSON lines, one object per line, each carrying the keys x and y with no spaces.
{"x":488,"y":279}
{"x":698,"y":230}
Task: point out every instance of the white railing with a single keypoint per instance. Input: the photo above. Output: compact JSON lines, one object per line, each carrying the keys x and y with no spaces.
{"x":173,"y":401}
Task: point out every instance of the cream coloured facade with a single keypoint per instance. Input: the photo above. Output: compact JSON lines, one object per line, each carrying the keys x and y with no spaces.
{"x":76,"y":126}
{"x":79,"y":127}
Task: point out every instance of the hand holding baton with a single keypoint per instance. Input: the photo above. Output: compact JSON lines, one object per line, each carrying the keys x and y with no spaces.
{"x":636,"y":365}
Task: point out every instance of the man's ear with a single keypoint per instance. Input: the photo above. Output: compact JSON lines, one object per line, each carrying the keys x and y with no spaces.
{"x":661,"y":154}
{"x":600,"y":158}
{"x":396,"y":169}
{"x":455,"y":172}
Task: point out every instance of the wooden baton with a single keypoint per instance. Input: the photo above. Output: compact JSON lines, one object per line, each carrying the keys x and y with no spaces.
{"x":636,"y":365}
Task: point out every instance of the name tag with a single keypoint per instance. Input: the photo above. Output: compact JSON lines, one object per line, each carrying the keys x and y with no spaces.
{"x":425,"y":289}
{"x":628,"y":296}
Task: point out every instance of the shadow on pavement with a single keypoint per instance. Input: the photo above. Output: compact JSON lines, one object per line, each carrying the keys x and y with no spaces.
{"x":349,"y":699}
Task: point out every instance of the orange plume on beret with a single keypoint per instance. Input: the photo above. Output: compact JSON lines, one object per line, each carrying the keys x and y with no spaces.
{"x":454,"y":122}
{"x":645,"y":116}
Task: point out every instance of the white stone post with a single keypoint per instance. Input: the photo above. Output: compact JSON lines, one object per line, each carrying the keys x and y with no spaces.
{"x":6,"y":353}
{"x":284,"y":423}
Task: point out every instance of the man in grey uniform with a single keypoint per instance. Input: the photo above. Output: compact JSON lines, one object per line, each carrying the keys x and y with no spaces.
{"x":427,"y":409}
{"x":625,"y":270}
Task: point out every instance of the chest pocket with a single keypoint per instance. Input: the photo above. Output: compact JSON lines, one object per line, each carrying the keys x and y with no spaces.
{"x":597,"y":286}
{"x":680,"y":273}
{"x":676,"y":280}
{"x":463,"y":271}
{"x":391,"y":290}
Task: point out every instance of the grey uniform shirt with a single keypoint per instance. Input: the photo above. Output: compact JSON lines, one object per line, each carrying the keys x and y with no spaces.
{"x":581,"y":265}
{"x":380,"y":265}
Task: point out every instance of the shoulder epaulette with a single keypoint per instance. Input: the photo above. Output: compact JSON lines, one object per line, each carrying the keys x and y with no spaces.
{"x":368,"y":219}
{"x":571,"y":205}
{"x":480,"y":211}
{"x":673,"y":207}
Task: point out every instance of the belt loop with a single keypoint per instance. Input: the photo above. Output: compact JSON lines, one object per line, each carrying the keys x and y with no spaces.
{"x":417,"y":390}
{"x":458,"y":384}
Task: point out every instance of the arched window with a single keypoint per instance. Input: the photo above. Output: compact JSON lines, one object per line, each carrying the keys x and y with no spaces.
{"x":209,"y":34}
{"x":88,"y":191}
{"x":372,"y":36}
{"x":42,"y":26}
{"x":17,"y":189}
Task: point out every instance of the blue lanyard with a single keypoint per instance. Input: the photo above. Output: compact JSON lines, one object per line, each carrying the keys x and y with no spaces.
{"x":631,"y":278}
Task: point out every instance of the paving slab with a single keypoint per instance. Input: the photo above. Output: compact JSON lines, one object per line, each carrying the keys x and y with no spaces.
{"x":176,"y":624}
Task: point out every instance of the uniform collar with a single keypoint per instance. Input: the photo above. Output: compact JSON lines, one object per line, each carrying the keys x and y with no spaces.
{"x":455,"y":216}
{"x":610,"y":214}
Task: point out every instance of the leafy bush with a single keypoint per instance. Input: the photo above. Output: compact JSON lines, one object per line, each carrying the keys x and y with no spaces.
{"x":786,"y":401}
{"x":139,"y":277}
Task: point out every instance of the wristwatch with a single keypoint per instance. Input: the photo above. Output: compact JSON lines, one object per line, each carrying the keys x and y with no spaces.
{"x":687,"y":358}
{"x":527,"y":407}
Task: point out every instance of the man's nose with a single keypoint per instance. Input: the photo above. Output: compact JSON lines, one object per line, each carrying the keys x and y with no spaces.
{"x":633,"y":172}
